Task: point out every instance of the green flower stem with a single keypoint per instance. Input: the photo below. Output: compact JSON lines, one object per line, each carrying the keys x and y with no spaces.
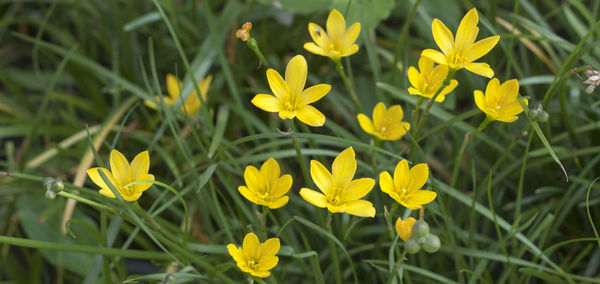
{"x":389,"y":218}
{"x":340,"y":69}
{"x":430,"y":103}
{"x":263,"y":221}
{"x":463,"y":147}
{"x":303,"y":165}
{"x":416,"y":110}
{"x":147,"y":216}
{"x":397,"y":266}
{"x":253,"y":45}
{"x":333,"y":249}
{"x":375,"y":143}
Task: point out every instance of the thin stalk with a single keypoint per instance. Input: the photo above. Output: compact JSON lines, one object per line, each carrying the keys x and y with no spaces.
{"x":468,"y":137}
{"x":333,"y":250}
{"x":340,"y":69}
{"x":425,"y":112}
{"x":253,"y":45}
{"x":397,"y":266}
{"x":303,"y":165}
{"x":413,"y":121}
{"x":263,"y":221}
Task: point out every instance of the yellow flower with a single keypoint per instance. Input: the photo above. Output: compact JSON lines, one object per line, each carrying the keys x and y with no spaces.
{"x":406,"y":185}
{"x":265,"y":187}
{"x":404,"y":228}
{"x":291,"y":99}
{"x":254,"y":257}
{"x":192,"y":104}
{"x":500,"y":101}
{"x":122,"y":174}
{"x":386,"y":124}
{"x":461,"y":53}
{"x":337,"y":41}
{"x":339,"y":192}
{"x":427,"y":82}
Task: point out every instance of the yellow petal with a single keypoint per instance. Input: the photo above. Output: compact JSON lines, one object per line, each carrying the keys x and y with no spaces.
{"x":425,"y":65}
{"x":278,"y":203}
{"x":361,"y":208}
{"x":510,"y":89}
{"x":107,"y":192}
{"x":140,"y":164}
{"x":251,"y":246}
{"x":313,"y":197}
{"x":492,"y":93}
{"x":419,"y":198}
{"x":278,"y":85}
{"x":365,"y":123}
{"x":480,"y":68}
{"x":344,"y":167}
{"x":267,"y":263}
{"x":314,"y":93}
{"x":97,"y":179}
{"x":397,"y":130}
{"x":418,"y":177}
{"x":130,"y":196}
{"x":386,"y":183}
{"x":480,"y":100}
{"x":269,"y":248}
{"x":378,"y":115}
{"x":513,"y":108}
{"x":253,"y":179}
{"x":260,"y":273}
{"x":347,"y":51}
{"x":267,"y":103}
{"x":442,"y":36}
{"x":311,"y":116}
{"x":313,"y":48}
{"x":318,"y":35}
{"x":447,"y":90}
{"x":270,"y":171}
{"x":414,"y":77}
{"x":401,"y":176}
{"x":481,"y":48}
{"x":434,"y":55}
{"x":204,"y":85}
{"x":350,"y":35}
{"x":404,"y":228}
{"x":173,"y":86}
{"x":467,"y":30}
{"x":282,"y":186}
{"x":507,"y":118}
{"x":250,"y":195}
{"x":236,"y":253}
{"x":287,"y":114}
{"x":295,"y":74}
{"x":336,"y":25}
{"x":357,"y":189}
{"x":321,"y":176}
{"x":119,"y":167}
{"x":437,"y":76}
{"x":141,"y":187}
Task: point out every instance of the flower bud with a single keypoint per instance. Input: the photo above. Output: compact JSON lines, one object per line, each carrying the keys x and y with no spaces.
{"x":534,"y":113}
{"x":50,"y":194}
{"x":412,"y":246}
{"x":404,"y":227}
{"x":420,"y":229}
{"x":543,"y":117}
{"x":430,"y":243}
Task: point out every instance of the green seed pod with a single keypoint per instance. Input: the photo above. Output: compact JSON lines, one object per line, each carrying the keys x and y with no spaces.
{"x":534,"y":113}
{"x":420,"y":229}
{"x":412,"y":246}
{"x":431,"y":243}
{"x":50,"y":194}
{"x":543,"y":117}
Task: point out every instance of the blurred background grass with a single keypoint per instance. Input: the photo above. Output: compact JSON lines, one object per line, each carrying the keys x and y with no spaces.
{"x":76,"y":72}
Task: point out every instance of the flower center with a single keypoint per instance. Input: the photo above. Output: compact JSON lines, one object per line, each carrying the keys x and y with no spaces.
{"x":335,"y":198}
{"x":253,"y":264}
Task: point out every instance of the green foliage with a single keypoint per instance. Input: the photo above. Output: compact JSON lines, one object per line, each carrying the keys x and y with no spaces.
{"x":76,"y":73}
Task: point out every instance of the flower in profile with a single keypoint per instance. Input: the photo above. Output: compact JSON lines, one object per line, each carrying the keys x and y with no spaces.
{"x":122,"y":174}
{"x":500,"y":101}
{"x":406,"y":185}
{"x":428,"y":81}
{"x":404,"y":227}
{"x":337,"y":41}
{"x":340,"y":194}
{"x":290,"y":98}
{"x":255,"y":257}
{"x":265,"y":186}
{"x":387,"y":124}
{"x":192,"y":103}
{"x":461,"y":52}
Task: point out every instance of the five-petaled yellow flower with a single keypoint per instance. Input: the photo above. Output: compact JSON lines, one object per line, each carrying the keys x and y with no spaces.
{"x":406,"y":185}
{"x":404,"y":227}
{"x":266,"y":187}
{"x":428,"y":81}
{"x":122,"y":174}
{"x":461,"y":52}
{"x":340,"y":194}
{"x":500,"y":101}
{"x":387,"y":124}
{"x":192,"y":103}
{"x":291,"y":99}
{"x":337,"y":41}
{"x":254,"y":257}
